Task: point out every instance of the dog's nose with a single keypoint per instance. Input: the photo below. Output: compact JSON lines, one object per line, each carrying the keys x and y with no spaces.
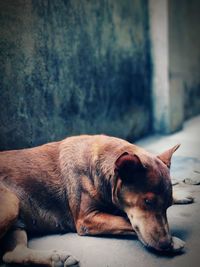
{"x":165,"y":244}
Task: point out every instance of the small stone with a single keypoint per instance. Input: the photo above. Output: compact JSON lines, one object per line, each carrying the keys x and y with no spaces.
{"x":192,"y":181}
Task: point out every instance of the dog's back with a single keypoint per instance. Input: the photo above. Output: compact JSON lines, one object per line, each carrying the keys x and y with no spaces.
{"x":48,"y":180}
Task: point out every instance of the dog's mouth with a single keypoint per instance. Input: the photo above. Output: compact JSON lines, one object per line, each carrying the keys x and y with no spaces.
{"x":154,"y":247}
{"x":152,"y":239}
{"x":146,"y":244}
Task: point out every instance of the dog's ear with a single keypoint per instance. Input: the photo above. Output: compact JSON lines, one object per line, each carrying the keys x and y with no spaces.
{"x":128,"y":167}
{"x":166,"y":156}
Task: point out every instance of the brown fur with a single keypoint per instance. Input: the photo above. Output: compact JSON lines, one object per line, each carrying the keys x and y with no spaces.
{"x":87,"y":184}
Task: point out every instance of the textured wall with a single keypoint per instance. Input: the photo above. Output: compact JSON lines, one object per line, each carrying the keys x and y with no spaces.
{"x":71,"y":67}
{"x":184,"y":41}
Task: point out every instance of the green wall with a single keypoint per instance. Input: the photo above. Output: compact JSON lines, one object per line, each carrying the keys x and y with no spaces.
{"x":72,"y":67}
{"x":184,"y":45}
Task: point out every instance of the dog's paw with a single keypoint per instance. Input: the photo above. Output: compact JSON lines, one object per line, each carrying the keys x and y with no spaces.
{"x":60,"y":259}
{"x":178,"y":244}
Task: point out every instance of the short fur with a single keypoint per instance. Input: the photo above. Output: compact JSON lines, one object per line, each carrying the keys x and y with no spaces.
{"x":91,"y":185}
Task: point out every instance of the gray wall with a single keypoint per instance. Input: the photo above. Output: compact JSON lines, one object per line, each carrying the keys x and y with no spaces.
{"x":71,"y":67}
{"x":184,"y":56}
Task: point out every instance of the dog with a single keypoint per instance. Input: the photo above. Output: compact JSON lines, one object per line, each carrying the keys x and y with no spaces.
{"x":92,"y":185}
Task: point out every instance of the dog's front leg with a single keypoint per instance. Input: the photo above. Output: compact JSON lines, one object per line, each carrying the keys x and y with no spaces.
{"x":99,"y":223}
{"x":19,"y":253}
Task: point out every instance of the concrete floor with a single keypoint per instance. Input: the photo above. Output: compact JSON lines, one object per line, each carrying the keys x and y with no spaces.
{"x":184,"y":220}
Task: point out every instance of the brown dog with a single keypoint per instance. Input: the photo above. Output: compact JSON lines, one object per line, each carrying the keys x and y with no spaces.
{"x":91,"y":185}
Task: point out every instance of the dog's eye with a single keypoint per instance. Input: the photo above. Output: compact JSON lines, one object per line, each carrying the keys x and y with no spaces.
{"x":149,"y":202}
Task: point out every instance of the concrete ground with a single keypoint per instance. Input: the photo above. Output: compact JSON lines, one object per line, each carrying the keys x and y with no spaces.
{"x":184,"y":220}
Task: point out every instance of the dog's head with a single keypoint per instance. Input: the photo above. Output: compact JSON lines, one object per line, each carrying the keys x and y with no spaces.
{"x":143,"y":190}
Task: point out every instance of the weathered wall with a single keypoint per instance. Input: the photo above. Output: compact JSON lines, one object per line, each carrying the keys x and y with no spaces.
{"x":71,"y":67}
{"x":184,"y":56}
